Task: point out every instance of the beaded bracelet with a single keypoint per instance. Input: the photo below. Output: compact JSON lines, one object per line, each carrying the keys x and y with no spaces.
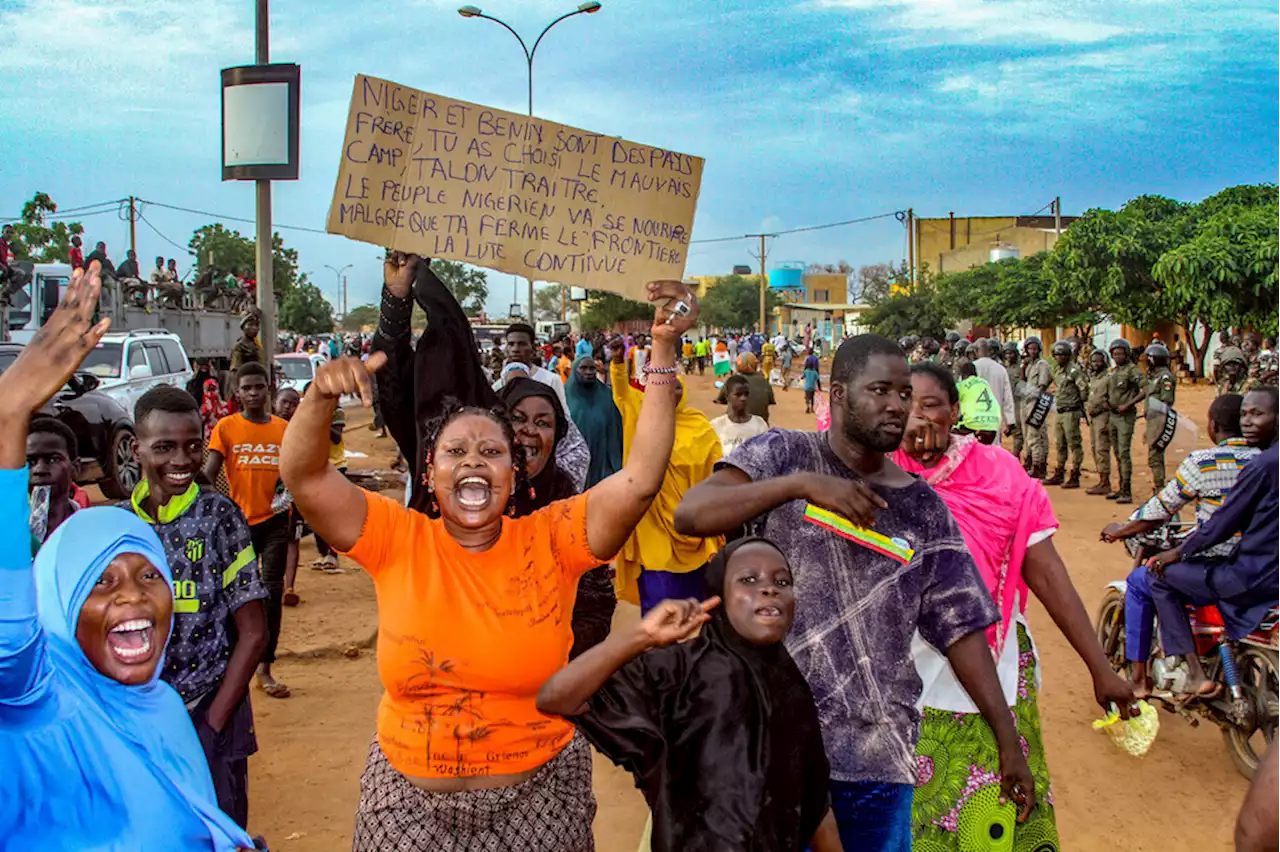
{"x":650,"y":370}
{"x":657,"y":382}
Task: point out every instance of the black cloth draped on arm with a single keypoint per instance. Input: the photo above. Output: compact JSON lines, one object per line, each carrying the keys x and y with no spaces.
{"x":413,"y":384}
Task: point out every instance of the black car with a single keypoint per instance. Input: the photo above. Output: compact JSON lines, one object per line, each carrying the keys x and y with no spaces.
{"x":102,"y":426}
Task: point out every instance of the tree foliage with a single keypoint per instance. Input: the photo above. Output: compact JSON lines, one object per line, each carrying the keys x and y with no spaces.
{"x":913,"y":309}
{"x":875,"y":283}
{"x":732,"y":303}
{"x":305,"y":310}
{"x":470,"y":286}
{"x":604,"y":310}
{"x":546,"y":302}
{"x":359,"y":317}
{"x":226,"y":250}
{"x":39,"y":240}
{"x":1011,"y":293}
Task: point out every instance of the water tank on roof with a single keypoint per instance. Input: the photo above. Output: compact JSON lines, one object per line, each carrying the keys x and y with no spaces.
{"x":788,"y":275}
{"x":1002,"y":251}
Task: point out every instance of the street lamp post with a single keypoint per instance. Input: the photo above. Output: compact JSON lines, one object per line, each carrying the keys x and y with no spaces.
{"x":337,"y":273}
{"x":590,"y":7}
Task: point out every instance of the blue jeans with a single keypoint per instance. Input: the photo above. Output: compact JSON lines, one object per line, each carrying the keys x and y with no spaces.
{"x":1139,"y":615}
{"x":873,"y":816}
{"x":658,"y":586}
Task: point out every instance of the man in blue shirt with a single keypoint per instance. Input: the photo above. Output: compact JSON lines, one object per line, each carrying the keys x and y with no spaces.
{"x":1242,"y":586}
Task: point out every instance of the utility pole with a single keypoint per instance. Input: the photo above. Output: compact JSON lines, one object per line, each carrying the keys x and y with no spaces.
{"x":1057,"y":217}
{"x":344,"y":295}
{"x":764,"y":282}
{"x":133,"y":234}
{"x":266,"y":293}
{"x":911,"y":245}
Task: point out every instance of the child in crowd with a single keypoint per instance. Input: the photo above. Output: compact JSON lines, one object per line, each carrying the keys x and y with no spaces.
{"x":248,"y":443}
{"x":737,"y":425}
{"x":219,"y":625}
{"x":719,"y":731}
{"x":52,"y":460}
{"x":812,"y":381}
{"x":287,"y":400}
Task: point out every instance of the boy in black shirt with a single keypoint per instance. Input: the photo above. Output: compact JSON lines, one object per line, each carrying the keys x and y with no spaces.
{"x":219,"y":623}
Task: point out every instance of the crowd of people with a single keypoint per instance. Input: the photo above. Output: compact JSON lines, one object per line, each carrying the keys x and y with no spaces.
{"x":834,"y":650}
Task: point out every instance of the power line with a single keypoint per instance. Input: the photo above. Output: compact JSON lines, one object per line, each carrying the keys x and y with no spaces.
{"x":74,"y":212}
{"x":230,"y":218}
{"x":797,"y":230}
{"x":162,"y":236}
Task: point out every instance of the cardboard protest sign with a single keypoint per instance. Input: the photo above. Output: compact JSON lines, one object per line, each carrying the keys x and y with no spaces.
{"x":449,"y":179}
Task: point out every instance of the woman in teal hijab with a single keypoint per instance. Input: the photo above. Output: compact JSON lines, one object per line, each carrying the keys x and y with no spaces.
{"x":97,"y":752}
{"x":592,"y":409}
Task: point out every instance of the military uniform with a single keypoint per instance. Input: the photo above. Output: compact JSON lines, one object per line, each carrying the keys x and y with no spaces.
{"x":1014,"y":372}
{"x":1098,"y":407}
{"x":1071,"y":388}
{"x":1161,"y":385}
{"x":1038,"y":378}
{"x":1226,"y":386}
{"x":1127,"y":384}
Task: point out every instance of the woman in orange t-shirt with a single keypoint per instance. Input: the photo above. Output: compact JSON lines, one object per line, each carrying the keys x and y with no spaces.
{"x":474,"y":612}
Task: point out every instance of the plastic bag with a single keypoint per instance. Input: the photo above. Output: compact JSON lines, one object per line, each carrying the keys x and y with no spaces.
{"x":822,"y":411}
{"x":1132,"y":735}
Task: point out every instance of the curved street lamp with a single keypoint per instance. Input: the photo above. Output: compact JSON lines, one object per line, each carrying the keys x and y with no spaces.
{"x":338,"y":288}
{"x":588,"y":8}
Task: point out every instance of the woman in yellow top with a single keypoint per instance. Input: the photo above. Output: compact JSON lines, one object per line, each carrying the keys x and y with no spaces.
{"x":657,"y":563}
{"x":474,"y":611}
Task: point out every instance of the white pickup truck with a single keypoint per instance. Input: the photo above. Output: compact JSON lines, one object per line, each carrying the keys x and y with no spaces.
{"x":129,"y":364}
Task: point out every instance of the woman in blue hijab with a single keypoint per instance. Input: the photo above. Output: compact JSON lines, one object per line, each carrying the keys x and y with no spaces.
{"x":97,"y":752}
{"x":592,"y":408}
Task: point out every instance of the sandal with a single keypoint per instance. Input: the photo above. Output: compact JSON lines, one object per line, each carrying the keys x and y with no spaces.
{"x":291,"y":598}
{"x":275,"y":690}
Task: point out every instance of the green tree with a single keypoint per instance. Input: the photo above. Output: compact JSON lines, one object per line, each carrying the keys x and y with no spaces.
{"x":470,"y":286}
{"x":604,"y":310}
{"x":546,"y":302}
{"x":226,"y":250}
{"x":732,"y":303}
{"x":1011,"y":293}
{"x":305,"y":310}
{"x":359,"y":317}
{"x":39,"y":240}
{"x":913,"y":309}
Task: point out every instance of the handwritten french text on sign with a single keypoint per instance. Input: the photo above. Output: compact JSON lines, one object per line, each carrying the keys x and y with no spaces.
{"x":450,"y":179}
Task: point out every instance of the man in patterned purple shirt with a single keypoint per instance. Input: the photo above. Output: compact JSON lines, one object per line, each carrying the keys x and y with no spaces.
{"x":877,"y":557}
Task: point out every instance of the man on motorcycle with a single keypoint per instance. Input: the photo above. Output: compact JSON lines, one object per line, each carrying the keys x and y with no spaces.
{"x":1204,"y":477}
{"x":1243,"y":586}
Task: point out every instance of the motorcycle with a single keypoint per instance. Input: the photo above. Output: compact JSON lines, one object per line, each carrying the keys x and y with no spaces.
{"x":1247,"y":706}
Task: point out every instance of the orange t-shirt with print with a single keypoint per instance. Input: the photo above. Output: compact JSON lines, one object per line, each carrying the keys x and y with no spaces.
{"x":466,"y":640}
{"x":251,"y":459}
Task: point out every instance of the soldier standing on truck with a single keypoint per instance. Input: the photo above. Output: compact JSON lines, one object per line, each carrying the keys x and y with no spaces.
{"x":247,"y":348}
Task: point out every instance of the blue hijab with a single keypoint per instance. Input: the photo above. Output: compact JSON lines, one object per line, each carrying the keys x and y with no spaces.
{"x":90,"y":763}
{"x":598,"y":419}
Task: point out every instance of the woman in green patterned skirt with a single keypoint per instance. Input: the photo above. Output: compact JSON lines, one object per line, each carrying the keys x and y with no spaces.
{"x":1007,"y":521}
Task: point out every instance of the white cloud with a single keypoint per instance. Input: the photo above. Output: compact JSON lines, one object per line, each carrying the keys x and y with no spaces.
{"x":989,"y":21}
{"x":125,"y":55}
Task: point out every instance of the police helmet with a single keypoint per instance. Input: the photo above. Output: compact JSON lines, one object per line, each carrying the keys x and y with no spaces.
{"x":1158,"y":352}
{"x":1031,"y":340}
{"x":1119,"y":343}
{"x":1062,"y":347}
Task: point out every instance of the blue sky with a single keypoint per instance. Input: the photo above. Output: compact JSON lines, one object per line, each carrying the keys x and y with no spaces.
{"x":807,"y":111}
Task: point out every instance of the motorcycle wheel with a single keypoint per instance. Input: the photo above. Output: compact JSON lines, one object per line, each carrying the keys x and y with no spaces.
{"x":1110,"y":628}
{"x":1259,"y":670}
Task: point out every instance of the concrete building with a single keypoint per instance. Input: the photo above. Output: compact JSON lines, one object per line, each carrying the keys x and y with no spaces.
{"x":953,"y":244}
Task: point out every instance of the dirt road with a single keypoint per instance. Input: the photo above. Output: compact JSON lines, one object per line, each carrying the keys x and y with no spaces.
{"x":1182,"y":796}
